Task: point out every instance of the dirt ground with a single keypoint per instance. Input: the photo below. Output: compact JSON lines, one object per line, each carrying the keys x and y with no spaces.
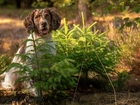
{"x":12,"y":33}
{"x":92,"y":98}
{"x":98,"y":98}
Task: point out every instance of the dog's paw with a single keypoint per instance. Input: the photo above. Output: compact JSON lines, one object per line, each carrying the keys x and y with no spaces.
{"x":4,"y":86}
{"x":33,"y":92}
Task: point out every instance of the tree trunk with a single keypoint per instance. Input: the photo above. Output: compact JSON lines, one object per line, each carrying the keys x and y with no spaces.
{"x":82,"y":7}
{"x":18,"y":3}
{"x":27,"y":3}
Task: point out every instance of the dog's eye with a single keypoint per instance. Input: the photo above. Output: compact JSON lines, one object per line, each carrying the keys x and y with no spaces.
{"x":46,"y":15}
{"x":37,"y":16}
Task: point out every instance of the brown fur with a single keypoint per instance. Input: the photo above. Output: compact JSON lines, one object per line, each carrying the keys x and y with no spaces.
{"x":41,"y":22}
{"x":34,"y":17}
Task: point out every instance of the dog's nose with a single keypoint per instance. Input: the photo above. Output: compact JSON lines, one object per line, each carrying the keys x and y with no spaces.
{"x":43,"y":24}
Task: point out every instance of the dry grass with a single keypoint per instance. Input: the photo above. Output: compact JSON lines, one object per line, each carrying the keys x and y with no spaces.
{"x":11,"y":34}
{"x":98,"y":98}
{"x":122,"y":15}
{"x":126,"y":98}
{"x":12,"y":31}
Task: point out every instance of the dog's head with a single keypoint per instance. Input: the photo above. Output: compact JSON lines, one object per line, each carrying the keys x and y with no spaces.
{"x":42,"y":21}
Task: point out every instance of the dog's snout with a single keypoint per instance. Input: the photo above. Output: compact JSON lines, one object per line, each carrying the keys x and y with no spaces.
{"x":43,"y":23}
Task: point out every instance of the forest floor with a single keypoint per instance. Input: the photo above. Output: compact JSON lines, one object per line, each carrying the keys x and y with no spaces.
{"x":12,"y":33}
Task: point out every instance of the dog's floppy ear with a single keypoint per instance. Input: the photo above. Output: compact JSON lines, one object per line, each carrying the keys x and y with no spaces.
{"x":29,"y":23}
{"x":56,"y":20}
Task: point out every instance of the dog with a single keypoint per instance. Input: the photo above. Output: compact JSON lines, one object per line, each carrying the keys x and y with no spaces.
{"x":41,"y":22}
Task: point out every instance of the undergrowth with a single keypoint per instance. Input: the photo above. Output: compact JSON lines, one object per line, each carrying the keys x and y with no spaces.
{"x":81,"y":53}
{"x":83,"y":45}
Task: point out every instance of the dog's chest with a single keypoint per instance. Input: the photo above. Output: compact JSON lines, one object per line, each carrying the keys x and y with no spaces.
{"x":33,"y":42}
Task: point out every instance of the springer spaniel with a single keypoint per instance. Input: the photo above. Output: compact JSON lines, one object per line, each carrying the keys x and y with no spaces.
{"x":41,"y":22}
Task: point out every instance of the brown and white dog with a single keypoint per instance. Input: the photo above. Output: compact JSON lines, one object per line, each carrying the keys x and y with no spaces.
{"x":41,"y":22}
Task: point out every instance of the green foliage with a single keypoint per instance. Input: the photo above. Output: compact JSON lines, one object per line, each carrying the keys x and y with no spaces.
{"x":122,"y":78}
{"x":60,"y":77}
{"x":117,"y":5}
{"x":39,"y":3}
{"x":1,"y":2}
{"x":56,"y":3}
{"x":120,"y":82}
{"x":62,"y":3}
{"x":53,"y":74}
{"x":84,"y":46}
{"x":4,"y":61}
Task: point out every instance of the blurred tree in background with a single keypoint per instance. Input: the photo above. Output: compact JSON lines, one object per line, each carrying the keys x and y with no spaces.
{"x":81,"y":4}
{"x":84,"y":4}
{"x":88,"y":7}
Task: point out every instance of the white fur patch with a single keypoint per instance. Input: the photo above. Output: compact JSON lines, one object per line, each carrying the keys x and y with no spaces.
{"x":11,"y":77}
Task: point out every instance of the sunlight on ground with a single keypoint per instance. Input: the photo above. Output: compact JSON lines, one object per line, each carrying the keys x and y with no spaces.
{"x":110,"y":17}
{"x":11,"y":32}
{"x":13,"y":22}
